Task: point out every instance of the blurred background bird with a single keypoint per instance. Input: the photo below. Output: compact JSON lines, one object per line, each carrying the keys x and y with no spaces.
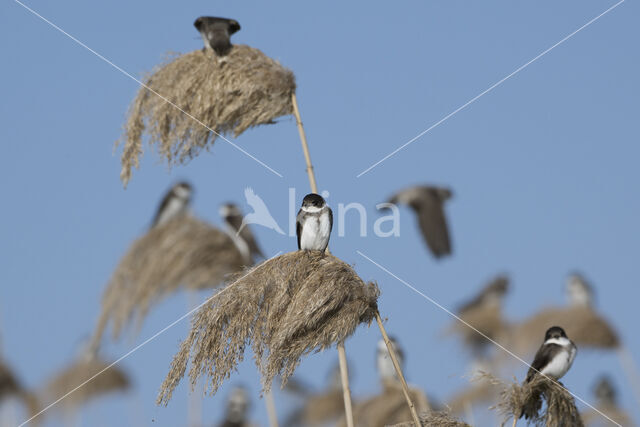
{"x":232,"y":217}
{"x":428,"y":204}
{"x":174,"y":203}
{"x":236,"y":409}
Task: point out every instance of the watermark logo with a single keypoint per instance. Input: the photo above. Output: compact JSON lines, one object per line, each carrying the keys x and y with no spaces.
{"x":386,"y":224}
{"x":260,"y":215}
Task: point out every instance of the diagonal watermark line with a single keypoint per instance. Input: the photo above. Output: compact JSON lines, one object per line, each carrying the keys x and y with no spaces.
{"x":434,"y":302}
{"x":139,"y":346}
{"x":165,"y":99}
{"x":489,"y":89}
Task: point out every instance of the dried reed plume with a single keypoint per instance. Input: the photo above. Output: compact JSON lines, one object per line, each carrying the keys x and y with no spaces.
{"x":243,"y":89}
{"x":182,"y":252}
{"x":585,"y":327}
{"x":285,"y":308}
{"x":388,"y":407}
{"x":318,"y":409}
{"x":527,"y":400}
{"x":435,"y":419}
{"x":111,"y":380}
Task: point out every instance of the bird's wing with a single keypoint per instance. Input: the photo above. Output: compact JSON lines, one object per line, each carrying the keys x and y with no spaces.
{"x":235,"y":221}
{"x":433,"y":225}
{"x":330,"y":219}
{"x":543,"y":357}
{"x":161,"y":207}
{"x":299,"y":226}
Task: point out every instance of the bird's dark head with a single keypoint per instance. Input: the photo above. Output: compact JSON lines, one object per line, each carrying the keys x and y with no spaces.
{"x":182,"y":190}
{"x":604,"y":390}
{"x":444,"y":193}
{"x":216,"y":32}
{"x":499,"y":286}
{"x":313,"y":201}
{"x":555,"y":332}
{"x":229,"y":210}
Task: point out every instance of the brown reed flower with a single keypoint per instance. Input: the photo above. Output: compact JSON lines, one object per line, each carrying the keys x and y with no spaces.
{"x":228,"y":94}
{"x":184,"y":252}
{"x":284,"y":308}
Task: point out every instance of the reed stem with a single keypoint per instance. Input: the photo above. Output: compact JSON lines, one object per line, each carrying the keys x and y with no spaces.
{"x":396,"y":365}
{"x":342,"y":355}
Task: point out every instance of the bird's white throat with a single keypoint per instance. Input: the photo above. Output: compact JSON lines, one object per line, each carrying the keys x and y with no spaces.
{"x":311,"y":209}
{"x":562,"y":341}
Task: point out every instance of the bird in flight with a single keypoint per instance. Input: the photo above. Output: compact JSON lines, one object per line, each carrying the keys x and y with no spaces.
{"x":313,"y":223}
{"x":175,"y":203}
{"x":428,"y":204}
{"x":216,"y":33}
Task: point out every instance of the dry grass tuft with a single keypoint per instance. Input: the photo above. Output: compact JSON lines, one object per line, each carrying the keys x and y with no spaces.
{"x":527,"y":400}
{"x":319,"y":409}
{"x":583,"y":325}
{"x":243,"y":89}
{"x":182,"y":252}
{"x":284,"y":308}
{"x":389,"y":407}
{"x":111,"y":380}
{"x":435,"y":419}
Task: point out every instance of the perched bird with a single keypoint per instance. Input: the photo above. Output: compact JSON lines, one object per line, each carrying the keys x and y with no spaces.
{"x":232,"y":217}
{"x":555,"y":356}
{"x":236,"y":412}
{"x":314,"y":223}
{"x":216,"y":33}
{"x":484,"y":312}
{"x":489,"y":297}
{"x":260,"y":214}
{"x":175,"y":203}
{"x":428,"y":204}
{"x":386,"y":370}
{"x":579,"y":291}
{"x":605,"y":392}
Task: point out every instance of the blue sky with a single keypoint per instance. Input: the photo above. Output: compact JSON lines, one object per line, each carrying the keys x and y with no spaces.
{"x":544,"y":170}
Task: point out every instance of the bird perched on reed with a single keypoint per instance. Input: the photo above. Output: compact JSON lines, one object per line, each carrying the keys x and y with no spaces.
{"x":237,"y":409}
{"x":428,"y":204}
{"x":607,"y":403}
{"x":484,"y":312}
{"x":175,"y":203}
{"x":238,"y":230}
{"x":314,"y":223}
{"x":216,"y":33}
{"x":384,"y":364}
{"x":579,"y":291}
{"x":555,"y":356}
{"x":389,"y":406}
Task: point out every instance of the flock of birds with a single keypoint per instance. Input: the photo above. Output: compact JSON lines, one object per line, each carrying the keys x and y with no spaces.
{"x":314,"y":223}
